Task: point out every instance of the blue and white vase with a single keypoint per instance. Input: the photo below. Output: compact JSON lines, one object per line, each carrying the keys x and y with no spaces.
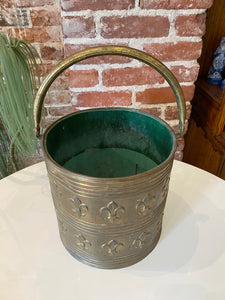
{"x":218,"y":63}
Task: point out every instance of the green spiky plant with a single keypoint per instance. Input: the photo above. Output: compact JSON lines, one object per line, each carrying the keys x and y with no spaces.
{"x":4,"y":154}
{"x":19,"y":82}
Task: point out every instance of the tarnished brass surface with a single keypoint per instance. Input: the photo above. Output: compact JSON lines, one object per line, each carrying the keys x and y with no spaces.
{"x":110,"y":50}
{"x":109,"y":222}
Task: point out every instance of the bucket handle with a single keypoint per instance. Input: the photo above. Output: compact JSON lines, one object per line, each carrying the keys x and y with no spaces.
{"x":110,"y":50}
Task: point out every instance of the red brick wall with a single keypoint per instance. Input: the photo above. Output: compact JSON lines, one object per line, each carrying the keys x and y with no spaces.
{"x":169,"y":30}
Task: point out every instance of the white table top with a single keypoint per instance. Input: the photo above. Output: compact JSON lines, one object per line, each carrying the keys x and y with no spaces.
{"x":188,"y":262}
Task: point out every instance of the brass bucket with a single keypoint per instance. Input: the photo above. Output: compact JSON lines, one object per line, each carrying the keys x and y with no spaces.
{"x":109,"y":171}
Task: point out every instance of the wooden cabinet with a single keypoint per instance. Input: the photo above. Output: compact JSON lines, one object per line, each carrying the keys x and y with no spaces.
{"x":205,"y":139}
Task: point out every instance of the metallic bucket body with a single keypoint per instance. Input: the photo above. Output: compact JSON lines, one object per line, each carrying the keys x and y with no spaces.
{"x":109,"y":222}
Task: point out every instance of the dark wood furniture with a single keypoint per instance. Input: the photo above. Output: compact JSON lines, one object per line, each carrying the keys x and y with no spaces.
{"x":205,"y":139}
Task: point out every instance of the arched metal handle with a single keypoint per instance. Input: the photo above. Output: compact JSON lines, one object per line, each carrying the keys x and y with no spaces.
{"x":110,"y":50}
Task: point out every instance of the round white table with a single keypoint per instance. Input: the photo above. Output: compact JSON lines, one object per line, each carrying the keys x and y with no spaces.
{"x":188,"y":262}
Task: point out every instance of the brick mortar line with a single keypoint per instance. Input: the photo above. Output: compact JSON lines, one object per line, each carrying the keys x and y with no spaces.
{"x":132,"y":64}
{"x":162,"y":115}
{"x":91,"y":107}
{"x":98,"y":26}
{"x":100,"y":69}
{"x":172,"y":30}
{"x":161,"y":40}
{"x":130,"y":106}
{"x":49,"y":44}
{"x":186,"y":63}
{"x":101,"y":88}
{"x":135,"y":88}
{"x":58,"y":105}
{"x":107,"y":66}
{"x":133,"y":43}
{"x":153,"y":105}
{"x":133,"y":97}
{"x":137,"y":4}
{"x":56,"y":92}
{"x":172,"y":122}
{"x":139,"y":12}
{"x":142,"y":106}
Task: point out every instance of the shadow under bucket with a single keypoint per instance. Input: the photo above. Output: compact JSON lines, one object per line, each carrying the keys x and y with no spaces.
{"x":109,"y":172}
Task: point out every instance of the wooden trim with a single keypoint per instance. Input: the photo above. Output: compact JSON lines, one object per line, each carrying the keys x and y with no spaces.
{"x":221,"y":116}
{"x":216,"y":141}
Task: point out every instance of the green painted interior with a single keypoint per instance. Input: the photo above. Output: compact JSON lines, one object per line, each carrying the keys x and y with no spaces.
{"x":109,"y":162}
{"x":109,"y":142}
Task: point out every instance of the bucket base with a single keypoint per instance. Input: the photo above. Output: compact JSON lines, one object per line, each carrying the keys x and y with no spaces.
{"x":118,"y":263}
{"x":109,"y":163}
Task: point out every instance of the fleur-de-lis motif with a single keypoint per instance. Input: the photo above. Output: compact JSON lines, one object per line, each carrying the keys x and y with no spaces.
{"x":112,"y":247}
{"x":112,"y":212}
{"x":141,"y":240}
{"x":79,"y":208}
{"x":144,"y":205}
{"x":83,"y":242}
